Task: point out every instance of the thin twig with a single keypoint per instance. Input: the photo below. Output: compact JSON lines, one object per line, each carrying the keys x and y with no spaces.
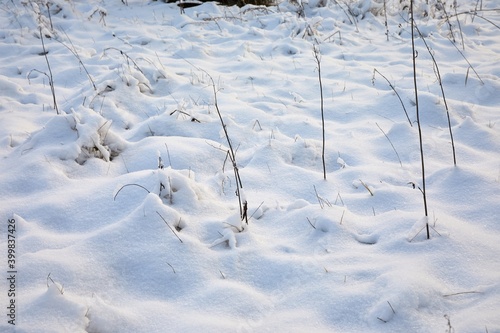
{"x":347,"y":13}
{"x":50,"y":16}
{"x":336,"y":32}
{"x":482,"y":17}
{"x":395,"y":91}
{"x":339,"y":197}
{"x":171,"y":267}
{"x":470,"y":65}
{"x":124,"y":163}
{"x":168,"y":155}
{"x":385,"y":21}
{"x":257,"y":122}
{"x":459,"y":25}
{"x":73,"y":51}
{"x":321,"y":200}
{"x":127,"y":58}
{"x":417,"y":234}
{"x":312,"y":225}
{"x":193,"y":119}
{"x":391,"y":307}
{"x":342,"y":217}
{"x":170,"y":227}
{"x":462,"y":293}
{"x":231,"y":152}
{"x":434,"y":230}
{"x":255,"y":211}
{"x":61,"y":289}
{"x":367,"y":188}
{"x":443,"y":6}
{"x":130,"y":185}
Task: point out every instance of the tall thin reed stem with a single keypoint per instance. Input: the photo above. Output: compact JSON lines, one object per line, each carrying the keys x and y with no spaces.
{"x":52,"y":88}
{"x":317,"y":56}
{"x":418,"y":117}
{"x":438,"y":76}
{"x":243,"y":205}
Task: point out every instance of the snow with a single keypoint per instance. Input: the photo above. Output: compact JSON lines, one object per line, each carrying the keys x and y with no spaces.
{"x":124,"y":203}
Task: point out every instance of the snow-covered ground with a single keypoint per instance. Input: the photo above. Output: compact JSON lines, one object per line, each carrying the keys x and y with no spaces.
{"x":106,"y":240}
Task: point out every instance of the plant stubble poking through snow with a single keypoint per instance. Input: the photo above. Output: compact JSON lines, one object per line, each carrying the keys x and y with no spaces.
{"x":124,"y":198}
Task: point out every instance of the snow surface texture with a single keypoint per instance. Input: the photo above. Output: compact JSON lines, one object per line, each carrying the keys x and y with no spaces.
{"x":133,"y":247}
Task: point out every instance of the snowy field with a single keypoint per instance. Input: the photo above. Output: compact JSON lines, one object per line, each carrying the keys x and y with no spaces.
{"x":120,"y":209}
